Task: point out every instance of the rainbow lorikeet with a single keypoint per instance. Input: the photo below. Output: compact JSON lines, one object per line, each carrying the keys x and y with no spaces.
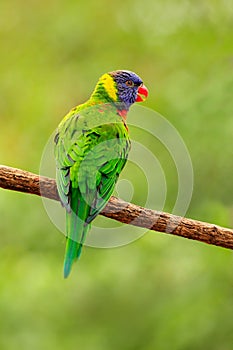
{"x":91,"y":148}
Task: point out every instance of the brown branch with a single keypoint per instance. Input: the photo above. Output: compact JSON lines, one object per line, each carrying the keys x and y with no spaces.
{"x":117,"y":209}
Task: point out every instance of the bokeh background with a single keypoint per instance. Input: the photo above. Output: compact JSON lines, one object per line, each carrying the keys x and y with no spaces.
{"x":160,"y":292}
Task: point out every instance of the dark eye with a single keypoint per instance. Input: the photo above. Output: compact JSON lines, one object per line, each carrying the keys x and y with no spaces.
{"x":129,"y":83}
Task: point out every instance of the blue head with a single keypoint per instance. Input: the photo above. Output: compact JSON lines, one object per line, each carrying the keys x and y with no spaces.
{"x":129,"y":87}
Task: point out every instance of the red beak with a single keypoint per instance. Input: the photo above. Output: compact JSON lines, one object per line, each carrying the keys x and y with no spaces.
{"x":142,"y":94}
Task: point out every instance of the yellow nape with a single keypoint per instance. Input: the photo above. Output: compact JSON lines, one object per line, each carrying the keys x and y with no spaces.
{"x":109,"y":85}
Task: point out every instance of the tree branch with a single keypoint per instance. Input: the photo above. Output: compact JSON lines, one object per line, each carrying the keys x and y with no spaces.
{"x":23,"y":181}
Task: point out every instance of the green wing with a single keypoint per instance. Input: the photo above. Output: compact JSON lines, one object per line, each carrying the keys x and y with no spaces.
{"x":91,"y":150}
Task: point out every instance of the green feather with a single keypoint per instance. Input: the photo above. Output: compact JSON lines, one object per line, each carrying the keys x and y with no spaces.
{"x":76,"y":228}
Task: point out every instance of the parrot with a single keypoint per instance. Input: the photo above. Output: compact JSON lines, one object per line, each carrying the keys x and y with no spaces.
{"x":91,"y":146}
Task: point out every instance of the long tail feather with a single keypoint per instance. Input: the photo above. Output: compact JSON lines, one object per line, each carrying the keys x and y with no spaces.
{"x":76,"y":230}
{"x":72,"y":248}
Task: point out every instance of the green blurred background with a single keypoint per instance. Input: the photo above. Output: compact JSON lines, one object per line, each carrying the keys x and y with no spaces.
{"x":160,"y":292}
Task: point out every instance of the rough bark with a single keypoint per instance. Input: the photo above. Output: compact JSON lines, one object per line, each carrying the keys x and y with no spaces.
{"x":117,"y":209}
